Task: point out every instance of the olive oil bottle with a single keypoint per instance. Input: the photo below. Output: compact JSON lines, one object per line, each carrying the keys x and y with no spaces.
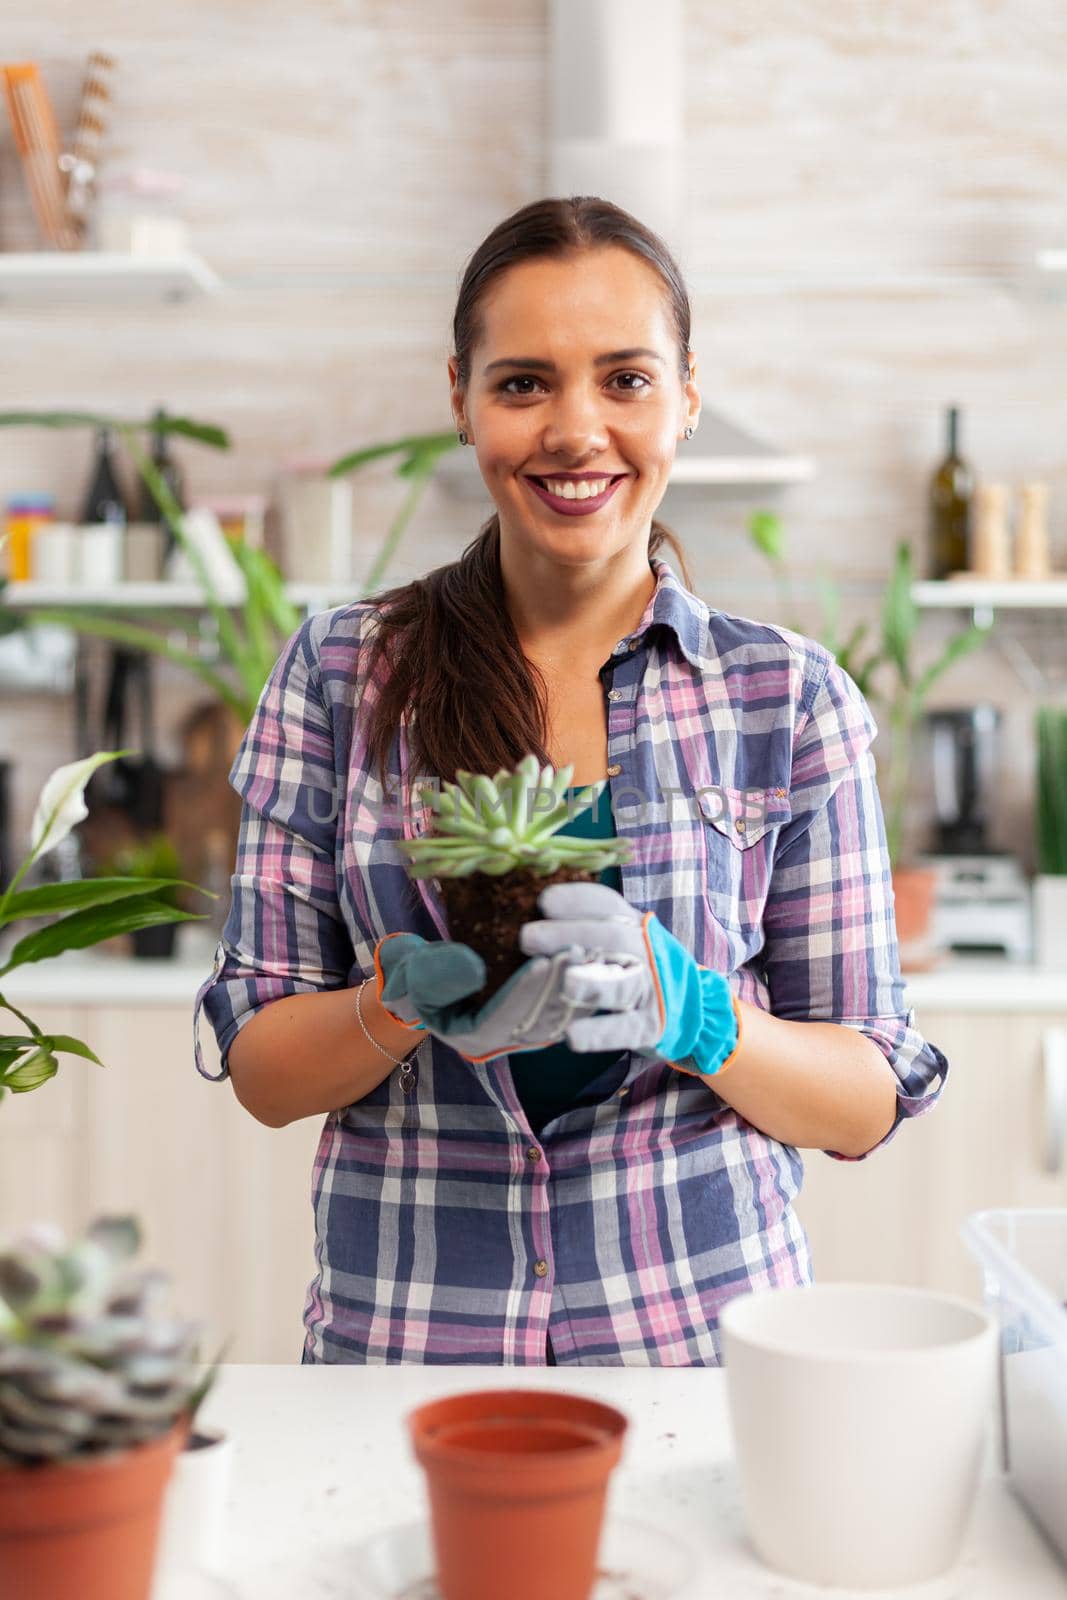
{"x":951,"y":493}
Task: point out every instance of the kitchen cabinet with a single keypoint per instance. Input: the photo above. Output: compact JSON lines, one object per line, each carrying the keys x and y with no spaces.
{"x":225,"y":1203}
{"x":896,"y":1216}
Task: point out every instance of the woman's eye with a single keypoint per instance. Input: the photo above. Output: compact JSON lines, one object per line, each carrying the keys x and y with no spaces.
{"x":643,"y":383}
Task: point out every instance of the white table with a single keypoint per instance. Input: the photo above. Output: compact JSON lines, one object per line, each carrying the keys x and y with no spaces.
{"x":322,"y":1462}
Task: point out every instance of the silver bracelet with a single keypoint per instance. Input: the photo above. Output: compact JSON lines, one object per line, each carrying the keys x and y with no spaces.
{"x":407,"y":1072}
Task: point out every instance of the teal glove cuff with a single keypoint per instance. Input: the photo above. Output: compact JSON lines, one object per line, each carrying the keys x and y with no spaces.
{"x":702,"y":1026}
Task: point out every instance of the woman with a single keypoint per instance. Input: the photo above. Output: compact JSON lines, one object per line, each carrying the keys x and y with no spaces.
{"x":486,"y":1196}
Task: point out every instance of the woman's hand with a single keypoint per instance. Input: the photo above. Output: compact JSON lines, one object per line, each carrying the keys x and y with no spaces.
{"x":657,"y":1000}
{"x":424,"y":982}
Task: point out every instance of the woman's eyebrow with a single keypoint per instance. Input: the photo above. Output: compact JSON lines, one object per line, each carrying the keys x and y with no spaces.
{"x":550,"y":366}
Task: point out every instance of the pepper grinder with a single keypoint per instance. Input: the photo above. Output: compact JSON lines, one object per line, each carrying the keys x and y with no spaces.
{"x":989,"y":556}
{"x":1032,"y":558}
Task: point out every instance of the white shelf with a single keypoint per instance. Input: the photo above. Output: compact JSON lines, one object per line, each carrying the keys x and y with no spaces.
{"x":720,"y":453}
{"x":1052,"y":260}
{"x":1019,"y":594}
{"x":98,"y":277}
{"x":159,"y":596}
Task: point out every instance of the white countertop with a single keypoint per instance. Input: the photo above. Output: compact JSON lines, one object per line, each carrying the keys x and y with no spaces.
{"x":322,"y":1462}
{"x":85,"y":978}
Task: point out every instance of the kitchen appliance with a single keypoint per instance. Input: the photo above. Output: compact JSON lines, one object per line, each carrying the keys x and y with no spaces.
{"x":982,"y":898}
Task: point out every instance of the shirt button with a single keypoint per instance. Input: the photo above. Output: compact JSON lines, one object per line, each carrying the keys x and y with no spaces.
{"x":633,"y":644}
{"x":541,"y":1268}
{"x":613,"y":772}
{"x":740,"y":824}
{"x":533,"y":1154}
{"x":614,"y":694}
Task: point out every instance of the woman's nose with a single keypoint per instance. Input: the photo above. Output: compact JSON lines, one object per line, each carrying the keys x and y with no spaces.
{"x":576,"y":426}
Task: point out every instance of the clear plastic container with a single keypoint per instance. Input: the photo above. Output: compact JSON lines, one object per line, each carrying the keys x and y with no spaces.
{"x":1023,"y":1255}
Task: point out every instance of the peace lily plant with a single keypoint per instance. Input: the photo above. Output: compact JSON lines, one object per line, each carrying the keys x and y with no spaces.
{"x":84,"y":911}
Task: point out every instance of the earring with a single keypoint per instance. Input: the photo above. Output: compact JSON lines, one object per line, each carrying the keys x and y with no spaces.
{"x":462,"y":437}
{"x":689,"y":433}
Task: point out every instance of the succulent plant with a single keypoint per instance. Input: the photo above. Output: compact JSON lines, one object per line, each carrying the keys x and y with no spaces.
{"x":87,"y":1361}
{"x":512,"y":820}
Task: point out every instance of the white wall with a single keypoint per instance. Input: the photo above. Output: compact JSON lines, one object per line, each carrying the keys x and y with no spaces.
{"x":868,"y":186}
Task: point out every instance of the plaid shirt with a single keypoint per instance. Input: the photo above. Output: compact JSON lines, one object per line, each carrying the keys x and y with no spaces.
{"x":741,"y":772}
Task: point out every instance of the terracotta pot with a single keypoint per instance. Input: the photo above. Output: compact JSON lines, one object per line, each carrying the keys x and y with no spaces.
{"x":86,"y":1527}
{"x":913,"y":893}
{"x":517,"y":1481}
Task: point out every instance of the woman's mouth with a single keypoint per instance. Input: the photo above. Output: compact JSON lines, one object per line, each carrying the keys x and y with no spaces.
{"x":577,"y":501}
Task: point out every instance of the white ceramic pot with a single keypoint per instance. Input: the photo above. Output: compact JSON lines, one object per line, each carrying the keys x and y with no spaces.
{"x":1050,"y":920}
{"x":194,"y":1512}
{"x":860,"y":1416}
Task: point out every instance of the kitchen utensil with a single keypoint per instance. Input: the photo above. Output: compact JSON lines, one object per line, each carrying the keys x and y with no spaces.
{"x":38,"y":144}
{"x":132,"y":784}
{"x":859,"y":1414}
{"x":81,"y":163}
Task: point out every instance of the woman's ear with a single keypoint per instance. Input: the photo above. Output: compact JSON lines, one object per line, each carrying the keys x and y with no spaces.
{"x":457,"y":394}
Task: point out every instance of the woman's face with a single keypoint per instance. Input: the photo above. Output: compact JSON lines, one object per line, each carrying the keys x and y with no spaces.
{"x":553,"y":393}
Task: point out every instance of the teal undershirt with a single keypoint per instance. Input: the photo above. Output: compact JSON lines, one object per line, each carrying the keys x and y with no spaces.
{"x":548,"y":1080}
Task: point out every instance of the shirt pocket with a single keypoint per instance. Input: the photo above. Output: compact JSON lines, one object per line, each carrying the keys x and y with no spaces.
{"x":741,"y":830}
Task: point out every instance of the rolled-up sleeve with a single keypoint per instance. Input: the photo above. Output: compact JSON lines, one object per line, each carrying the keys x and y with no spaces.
{"x":830,"y":951}
{"x":285,"y":933}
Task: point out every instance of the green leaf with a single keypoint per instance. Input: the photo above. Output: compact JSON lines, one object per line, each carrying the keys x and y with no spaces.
{"x":68,"y":1046}
{"x":89,"y":927}
{"x":203,"y":432}
{"x":438,"y":443}
{"x":961,"y":645}
{"x":767,"y":534}
{"x":50,"y":899}
{"x":900,"y":617}
{"x":100,"y":626}
{"x":32,"y":1072}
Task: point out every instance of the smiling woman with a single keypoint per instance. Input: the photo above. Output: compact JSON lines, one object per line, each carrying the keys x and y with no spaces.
{"x":595,"y":1197}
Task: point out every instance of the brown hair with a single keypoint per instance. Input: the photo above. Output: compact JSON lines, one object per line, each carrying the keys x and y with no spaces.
{"x":445,"y":644}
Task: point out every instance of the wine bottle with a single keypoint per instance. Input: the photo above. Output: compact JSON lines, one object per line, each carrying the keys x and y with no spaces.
{"x":171,"y":473}
{"x":951,"y":492}
{"x":104,"y":500}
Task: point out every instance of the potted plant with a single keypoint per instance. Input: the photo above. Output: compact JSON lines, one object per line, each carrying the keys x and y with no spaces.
{"x":1050,"y":805}
{"x":82,"y":912}
{"x":904,"y":699}
{"x":494,"y":844}
{"x":914,"y":885}
{"x":155,"y":858}
{"x":98,"y":1390}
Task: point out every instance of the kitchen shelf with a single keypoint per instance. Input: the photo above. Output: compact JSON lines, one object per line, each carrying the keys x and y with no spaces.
{"x":160,"y":596}
{"x":969,"y":594}
{"x":99,"y":277}
{"x":1039,"y":662}
{"x":729,"y":457}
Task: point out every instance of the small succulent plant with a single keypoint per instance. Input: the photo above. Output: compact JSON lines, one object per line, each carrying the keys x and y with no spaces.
{"x":87,"y":1361}
{"x":512,"y":820}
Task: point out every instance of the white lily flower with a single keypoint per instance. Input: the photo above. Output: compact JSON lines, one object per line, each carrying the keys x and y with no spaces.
{"x":62,"y":803}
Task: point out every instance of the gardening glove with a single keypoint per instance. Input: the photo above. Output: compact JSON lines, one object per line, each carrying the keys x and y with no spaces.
{"x":653,"y":996}
{"x":427,"y":980}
